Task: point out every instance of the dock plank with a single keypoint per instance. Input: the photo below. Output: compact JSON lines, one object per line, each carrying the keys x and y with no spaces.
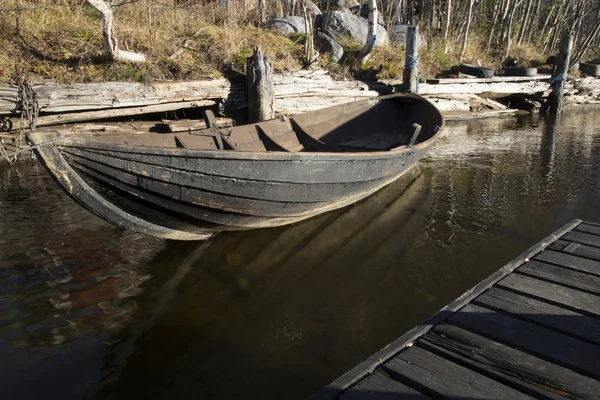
{"x":531,"y":329}
{"x":588,"y":228}
{"x":536,"y":340}
{"x":510,"y":366}
{"x":581,"y":250}
{"x":379,"y":385}
{"x":546,"y":314}
{"x":569,"y":261}
{"x":583,"y":238}
{"x":558,"y":294}
{"x":440,"y":377}
{"x":562,"y":276}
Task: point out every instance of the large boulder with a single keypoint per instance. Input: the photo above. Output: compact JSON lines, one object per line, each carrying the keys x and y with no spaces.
{"x":339,"y":4}
{"x":397,"y":35}
{"x":295,"y":7}
{"x":287,"y":25}
{"x":326,"y":43}
{"x":344,"y":23}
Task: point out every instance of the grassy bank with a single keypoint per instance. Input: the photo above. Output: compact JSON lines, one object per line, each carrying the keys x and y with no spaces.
{"x":62,"y":41}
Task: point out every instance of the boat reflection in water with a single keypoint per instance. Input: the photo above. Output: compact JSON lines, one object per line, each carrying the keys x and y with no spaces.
{"x":87,"y":310}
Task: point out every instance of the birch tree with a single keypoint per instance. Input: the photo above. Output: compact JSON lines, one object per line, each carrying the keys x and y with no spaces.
{"x":372,"y":33}
{"x":111,"y":47}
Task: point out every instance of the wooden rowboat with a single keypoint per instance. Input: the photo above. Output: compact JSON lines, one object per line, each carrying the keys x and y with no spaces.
{"x":187,"y":186}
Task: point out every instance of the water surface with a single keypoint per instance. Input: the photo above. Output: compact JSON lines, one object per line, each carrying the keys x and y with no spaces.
{"x":90,"y":311}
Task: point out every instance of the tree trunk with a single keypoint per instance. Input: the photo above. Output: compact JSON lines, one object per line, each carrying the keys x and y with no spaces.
{"x":447,"y":28}
{"x":111,"y":48}
{"x":372,"y":34}
{"x":508,"y":32}
{"x":469,"y":17}
{"x":525,"y":20}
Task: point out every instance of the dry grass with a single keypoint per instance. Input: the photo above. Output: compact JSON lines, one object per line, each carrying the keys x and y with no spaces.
{"x":58,"y":40}
{"x":62,"y":41}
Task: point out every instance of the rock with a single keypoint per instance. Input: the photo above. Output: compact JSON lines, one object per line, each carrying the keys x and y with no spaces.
{"x":344,"y":23}
{"x":339,"y":4}
{"x":397,"y":35}
{"x":287,"y":25}
{"x":326,"y":43}
{"x":294,"y":7}
{"x":364,"y":12}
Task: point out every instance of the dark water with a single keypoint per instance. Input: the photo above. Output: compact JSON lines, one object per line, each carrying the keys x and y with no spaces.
{"x":90,"y":311}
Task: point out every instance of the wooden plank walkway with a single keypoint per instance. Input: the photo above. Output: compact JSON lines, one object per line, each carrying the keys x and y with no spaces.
{"x":531,"y":330}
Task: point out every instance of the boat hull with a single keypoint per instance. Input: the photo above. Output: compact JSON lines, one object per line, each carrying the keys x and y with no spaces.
{"x":189,"y":194}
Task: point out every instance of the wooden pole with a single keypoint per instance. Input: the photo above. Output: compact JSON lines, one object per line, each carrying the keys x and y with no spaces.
{"x":411,"y":61}
{"x":558,"y":85}
{"x":259,"y":83}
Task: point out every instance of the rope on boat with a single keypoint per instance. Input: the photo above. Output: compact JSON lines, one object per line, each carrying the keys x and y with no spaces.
{"x":13,"y":156}
{"x":28,"y":106}
{"x":413,"y":64}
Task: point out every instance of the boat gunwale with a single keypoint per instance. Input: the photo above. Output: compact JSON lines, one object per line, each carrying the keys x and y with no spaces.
{"x":59,"y":139}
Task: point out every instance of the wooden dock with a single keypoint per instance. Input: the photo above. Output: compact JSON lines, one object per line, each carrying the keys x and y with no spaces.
{"x":531,"y":330}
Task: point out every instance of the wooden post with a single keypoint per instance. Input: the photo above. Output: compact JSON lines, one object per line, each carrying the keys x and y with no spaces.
{"x":259,"y":82}
{"x":558,"y":85}
{"x":411,"y":62}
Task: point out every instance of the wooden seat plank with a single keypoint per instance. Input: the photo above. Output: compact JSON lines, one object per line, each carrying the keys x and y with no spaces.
{"x":510,"y":366}
{"x":281,"y":135}
{"x":197,"y":142}
{"x":440,"y":377}
{"x":534,"y":339}
{"x":570,"y":261}
{"x":562,"y":276}
{"x":559,"y":294}
{"x":573,"y":323}
{"x":583,"y":238}
{"x":317,"y":126}
{"x":381,"y":387}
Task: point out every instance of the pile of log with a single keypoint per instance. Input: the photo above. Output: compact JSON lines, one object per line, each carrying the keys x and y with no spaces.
{"x":296,"y":92}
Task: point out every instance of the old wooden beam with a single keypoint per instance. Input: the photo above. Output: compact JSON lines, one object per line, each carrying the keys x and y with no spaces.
{"x":410,"y":81}
{"x":259,"y":83}
{"x":558,"y":86}
{"x":48,"y":120}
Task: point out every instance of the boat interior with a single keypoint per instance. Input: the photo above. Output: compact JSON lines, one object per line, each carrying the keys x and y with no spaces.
{"x":362,"y":126}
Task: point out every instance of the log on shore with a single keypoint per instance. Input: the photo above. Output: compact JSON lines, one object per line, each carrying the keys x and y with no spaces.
{"x":49,"y":120}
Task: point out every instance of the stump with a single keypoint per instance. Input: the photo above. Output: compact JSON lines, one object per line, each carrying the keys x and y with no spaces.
{"x":259,"y":82}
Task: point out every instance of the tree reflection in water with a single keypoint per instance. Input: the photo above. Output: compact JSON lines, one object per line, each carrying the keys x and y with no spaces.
{"x":276,"y":312}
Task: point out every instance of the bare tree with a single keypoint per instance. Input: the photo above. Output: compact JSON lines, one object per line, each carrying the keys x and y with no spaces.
{"x":111,"y":47}
{"x":467,"y":27}
{"x":372,"y":34}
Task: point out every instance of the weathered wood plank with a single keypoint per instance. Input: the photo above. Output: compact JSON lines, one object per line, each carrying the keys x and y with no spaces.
{"x":437,"y":376}
{"x":380,"y":386}
{"x":582,"y":250}
{"x":570,"y":261}
{"x":510,"y":366}
{"x":70,"y":118}
{"x":578,"y":300}
{"x":590,"y":228}
{"x":562,"y":276}
{"x":496,"y":79}
{"x":367,"y":366}
{"x":583,"y":238}
{"x":542,"y":342}
{"x":541,"y":312}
